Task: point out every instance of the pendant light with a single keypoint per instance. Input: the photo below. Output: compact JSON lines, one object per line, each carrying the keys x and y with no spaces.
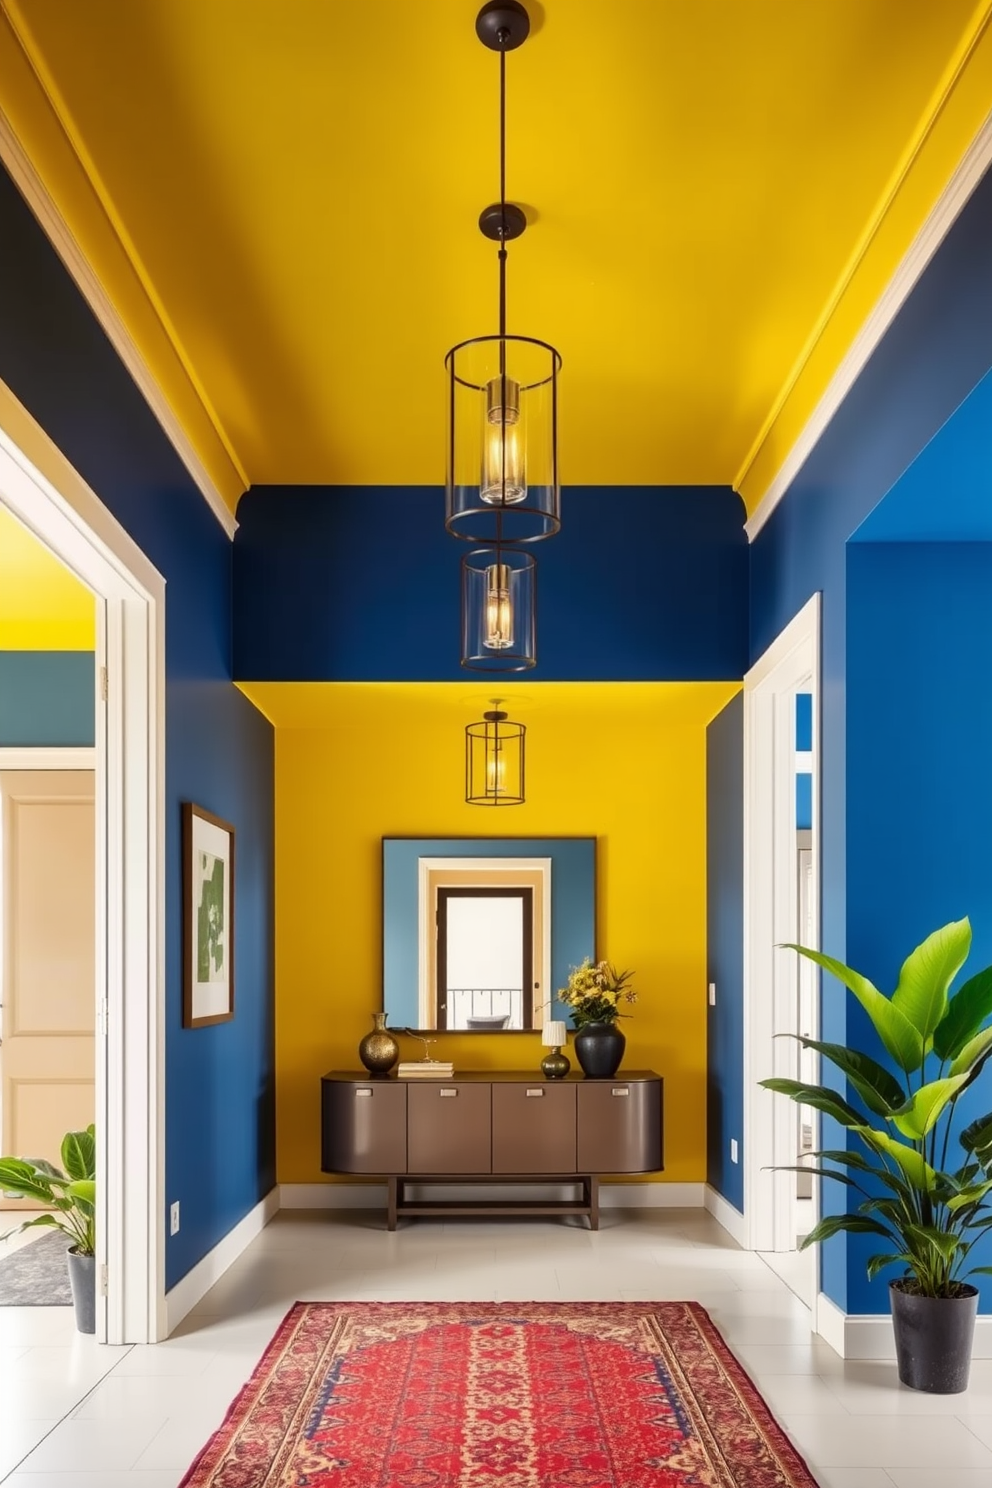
{"x":494,"y":760}
{"x":502,"y":487}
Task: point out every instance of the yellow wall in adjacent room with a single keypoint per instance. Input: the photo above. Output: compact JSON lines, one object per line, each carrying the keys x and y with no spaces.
{"x":43,"y":607}
{"x":622,"y":762}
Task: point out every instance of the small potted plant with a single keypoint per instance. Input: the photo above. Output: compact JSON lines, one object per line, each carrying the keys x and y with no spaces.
{"x":593,"y":995}
{"x":72,"y":1198}
{"x":927,"y":1214}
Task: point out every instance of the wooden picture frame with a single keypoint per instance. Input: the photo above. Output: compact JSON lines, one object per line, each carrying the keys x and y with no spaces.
{"x":208,"y":918}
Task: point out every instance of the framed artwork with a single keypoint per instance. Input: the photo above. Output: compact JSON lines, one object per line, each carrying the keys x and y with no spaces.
{"x":208,"y":918}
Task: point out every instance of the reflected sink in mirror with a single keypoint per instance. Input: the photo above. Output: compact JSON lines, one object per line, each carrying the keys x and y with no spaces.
{"x":478,"y":932}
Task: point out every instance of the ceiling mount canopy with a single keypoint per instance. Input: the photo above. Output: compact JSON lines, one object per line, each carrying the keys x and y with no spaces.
{"x":502,"y":484}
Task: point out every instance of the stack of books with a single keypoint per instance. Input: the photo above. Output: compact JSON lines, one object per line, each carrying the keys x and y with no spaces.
{"x":440,"y":1069}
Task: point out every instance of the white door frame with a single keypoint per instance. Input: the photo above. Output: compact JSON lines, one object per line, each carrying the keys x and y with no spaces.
{"x":43,"y":490}
{"x":791,"y":664}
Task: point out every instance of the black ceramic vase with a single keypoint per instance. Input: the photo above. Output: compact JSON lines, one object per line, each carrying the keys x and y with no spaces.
{"x":933,"y":1339}
{"x":599,"y":1049}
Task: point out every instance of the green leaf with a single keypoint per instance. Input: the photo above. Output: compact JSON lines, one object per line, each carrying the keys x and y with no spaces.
{"x":969,"y":1196}
{"x":976,"y":1138}
{"x":903,"y":1041}
{"x":926,"y":976}
{"x":79,"y":1153}
{"x":84,"y":1191}
{"x":820,"y":1097}
{"x":917,"y":1170}
{"x":877,"y":1262}
{"x":976,"y":1049}
{"x":928,"y":1236}
{"x":880,"y":1090}
{"x":47,"y":1221}
{"x":966,"y":1012}
{"x":922,"y":1110}
{"x":817,"y":1173}
{"x":858,"y":1161}
{"x":832,"y":1224}
{"x":21,"y":1180}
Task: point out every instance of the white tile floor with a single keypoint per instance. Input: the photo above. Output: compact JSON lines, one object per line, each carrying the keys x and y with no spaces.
{"x":855,"y":1425}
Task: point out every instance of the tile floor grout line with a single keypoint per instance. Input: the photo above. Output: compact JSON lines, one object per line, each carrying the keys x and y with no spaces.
{"x":69,"y":1415}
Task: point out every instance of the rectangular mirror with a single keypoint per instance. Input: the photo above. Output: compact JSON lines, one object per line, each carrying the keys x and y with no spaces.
{"x":477,"y":933}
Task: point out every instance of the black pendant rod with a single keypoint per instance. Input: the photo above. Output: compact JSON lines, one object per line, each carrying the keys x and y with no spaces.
{"x":502,"y":199}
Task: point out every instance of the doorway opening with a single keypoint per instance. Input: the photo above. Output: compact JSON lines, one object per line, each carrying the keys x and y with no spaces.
{"x":50,"y":499}
{"x":781,"y":907}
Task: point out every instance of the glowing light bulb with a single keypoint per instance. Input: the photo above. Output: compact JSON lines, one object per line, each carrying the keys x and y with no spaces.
{"x":499,"y":608}
{"x":495,"y":770}
{"x":504,"y":479}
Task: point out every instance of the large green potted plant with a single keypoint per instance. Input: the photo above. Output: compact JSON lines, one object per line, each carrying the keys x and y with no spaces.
{"x":927,"y":1207}
{"x":71,"y":1196}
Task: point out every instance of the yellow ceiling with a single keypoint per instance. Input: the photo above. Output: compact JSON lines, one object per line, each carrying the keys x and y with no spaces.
{"x":718,"y":194}
{"x":43,"y":607}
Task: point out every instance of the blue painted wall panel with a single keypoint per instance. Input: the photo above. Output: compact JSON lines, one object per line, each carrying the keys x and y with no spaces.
{"x":362,"y":584}
{"x":47,"y":698}
{"x":919,"y":786}
{"x":725,"y":949}
{"x":220,"y":1110}
{"x":937,"y":350}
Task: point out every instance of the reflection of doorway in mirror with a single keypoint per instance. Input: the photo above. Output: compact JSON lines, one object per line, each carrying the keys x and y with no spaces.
{"x":530,"y":876}
{"x":484,"y":951}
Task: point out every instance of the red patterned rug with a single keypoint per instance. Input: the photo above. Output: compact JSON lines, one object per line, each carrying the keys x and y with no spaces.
{"x":501,"y":1394}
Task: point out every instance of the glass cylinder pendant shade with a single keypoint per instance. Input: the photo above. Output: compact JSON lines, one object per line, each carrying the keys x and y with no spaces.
{"x":494,"y":761}
{"x":499,"y":595}
{"x":502,"y":472}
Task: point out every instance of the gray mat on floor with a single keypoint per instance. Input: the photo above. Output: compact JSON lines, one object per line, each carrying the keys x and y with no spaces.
{"x":37,"y":1274}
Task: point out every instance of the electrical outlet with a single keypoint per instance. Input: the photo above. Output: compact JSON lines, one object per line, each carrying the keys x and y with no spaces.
{"x":712,"y":994}
{"x":733,"y":1149}
{"x":174,"y":1218}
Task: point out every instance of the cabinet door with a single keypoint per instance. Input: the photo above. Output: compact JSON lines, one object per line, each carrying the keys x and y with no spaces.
{"x":363,"y":1127}
{"x":450,"y":1128}
{"x":619,"y":1123}
{"x":534,"y":1128}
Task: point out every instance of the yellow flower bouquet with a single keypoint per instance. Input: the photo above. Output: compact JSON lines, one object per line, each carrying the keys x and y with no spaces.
{"x":595,"y":991}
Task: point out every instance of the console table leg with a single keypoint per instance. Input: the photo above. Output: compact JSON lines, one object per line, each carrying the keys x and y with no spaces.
{"x":391,"y":1187}
{"x":594,"y":1202}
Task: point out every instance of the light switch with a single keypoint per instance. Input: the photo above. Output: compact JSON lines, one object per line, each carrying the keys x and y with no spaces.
{"x":712,"y":994}
{"x":733,"y":1149}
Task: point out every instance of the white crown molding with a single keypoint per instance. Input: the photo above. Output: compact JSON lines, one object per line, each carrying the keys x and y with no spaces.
{"x":938,"y":224}
{"x":33,"y":189}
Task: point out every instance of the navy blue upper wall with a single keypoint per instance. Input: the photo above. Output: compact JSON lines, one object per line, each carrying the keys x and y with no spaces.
{"x":220,"y":1108}
{"x":47,"y":699}
{"x":361,"y":583}
{"x":919,"y":797}
{"x":937,"y":350}
{"x":725,"y":949}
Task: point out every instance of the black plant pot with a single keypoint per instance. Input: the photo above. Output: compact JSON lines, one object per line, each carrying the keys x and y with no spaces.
{"x":599,"y":1049}
{"x":82,"y":1280}
{"x":933,"y":1339}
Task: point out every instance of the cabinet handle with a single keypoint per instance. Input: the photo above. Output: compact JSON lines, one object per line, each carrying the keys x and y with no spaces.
{"x":369,"y":1093}
{"x":443,"y":1093}
{"x":620,"y":1090}
{"x":535,"y":1092}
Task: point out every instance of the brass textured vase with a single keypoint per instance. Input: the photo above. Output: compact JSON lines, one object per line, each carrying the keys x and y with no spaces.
{"x":378,"y":1050}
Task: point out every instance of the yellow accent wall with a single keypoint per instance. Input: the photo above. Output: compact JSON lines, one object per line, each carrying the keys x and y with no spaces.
{"x":43,"y":607}
{"x":355,"y":762}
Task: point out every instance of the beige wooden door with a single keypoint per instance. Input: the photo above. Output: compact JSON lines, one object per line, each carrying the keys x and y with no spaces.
{"x":47,"y":958}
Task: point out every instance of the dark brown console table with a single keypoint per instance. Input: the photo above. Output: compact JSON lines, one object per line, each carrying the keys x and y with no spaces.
{"x":511,"y":1127}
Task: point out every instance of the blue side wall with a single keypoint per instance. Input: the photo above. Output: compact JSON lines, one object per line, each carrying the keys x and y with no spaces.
{"x":938,"y":350}
{"x":725,"y":949}
{"x":919,"y":786}
{"x":47,"y":698}
{"x":220,"y":1122}
{"x":356,"y":584}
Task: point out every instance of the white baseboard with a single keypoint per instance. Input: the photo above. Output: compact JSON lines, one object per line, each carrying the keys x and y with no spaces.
{"x":869,"y":1335}
{"x":373,"y":1195}
{"x":196,"y":1283}
{"x":725,"y":1214}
